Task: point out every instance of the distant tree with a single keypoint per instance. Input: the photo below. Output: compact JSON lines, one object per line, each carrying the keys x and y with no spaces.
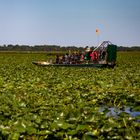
{"x":49,"y":48}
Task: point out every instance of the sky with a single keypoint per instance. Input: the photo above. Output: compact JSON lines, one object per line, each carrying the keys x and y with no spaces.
{"x":69,"y":22}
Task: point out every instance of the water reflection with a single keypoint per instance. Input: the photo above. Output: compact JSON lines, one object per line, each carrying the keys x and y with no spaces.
{"x":115,"y":112}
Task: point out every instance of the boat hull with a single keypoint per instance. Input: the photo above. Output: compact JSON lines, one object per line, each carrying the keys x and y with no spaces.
{"x":96,"y":65}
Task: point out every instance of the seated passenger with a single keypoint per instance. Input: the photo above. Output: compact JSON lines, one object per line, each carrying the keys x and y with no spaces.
{"x":87,"y":56}
{"x":94,"y":56}
{"x":57,"y":61}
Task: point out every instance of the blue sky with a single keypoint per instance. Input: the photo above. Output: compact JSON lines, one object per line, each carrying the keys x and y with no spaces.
{"x":69,"y":22}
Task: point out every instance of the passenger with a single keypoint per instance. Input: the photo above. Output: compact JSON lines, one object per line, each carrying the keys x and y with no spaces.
{"x":57,"y":61}
{"x":60,"y":60}
{"x":87,"y":56}
{"x":76,"y":58}
{"x":79,"y":57}
{"x":72,"y":59}
{"x":82,"y":58}
{"x":94,"y":56}
{"x":67,"y":60}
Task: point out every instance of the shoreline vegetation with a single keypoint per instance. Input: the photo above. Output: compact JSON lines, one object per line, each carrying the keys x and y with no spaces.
{"x":54,"y":48}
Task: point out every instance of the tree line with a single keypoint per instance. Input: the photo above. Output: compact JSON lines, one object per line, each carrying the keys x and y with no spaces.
{"x":49,"y":48}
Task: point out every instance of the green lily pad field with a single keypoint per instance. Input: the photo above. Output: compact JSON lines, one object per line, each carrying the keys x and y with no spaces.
{"x":64,"y":103}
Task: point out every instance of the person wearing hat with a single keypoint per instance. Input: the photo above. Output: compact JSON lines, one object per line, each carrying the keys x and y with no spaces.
{"x":87,"y":57}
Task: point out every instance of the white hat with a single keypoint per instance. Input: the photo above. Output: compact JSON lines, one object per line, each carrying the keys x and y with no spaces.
{"x":87,"y":49}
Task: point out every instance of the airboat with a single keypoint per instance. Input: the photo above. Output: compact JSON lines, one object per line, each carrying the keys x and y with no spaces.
{"x":107,"y":58}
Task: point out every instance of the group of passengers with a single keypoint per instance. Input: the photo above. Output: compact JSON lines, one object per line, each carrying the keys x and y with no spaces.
{"x":89,"y":56}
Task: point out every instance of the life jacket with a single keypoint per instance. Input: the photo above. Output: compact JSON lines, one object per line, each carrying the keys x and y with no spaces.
{"x":94,"y":55}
